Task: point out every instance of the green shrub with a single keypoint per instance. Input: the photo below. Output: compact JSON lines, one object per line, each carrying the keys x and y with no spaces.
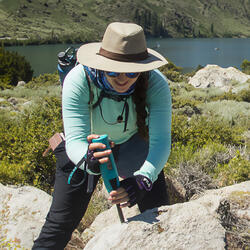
{"x":179,"y":102}
{"x":241,"y":96}
{"x":12,"y":173}
{"x":23,"y":94}
{"x":245,"y":66}
{"x":13,"y":68}
{"x":244,"y":95}
{"x":210,"y":166}
{"x":199,"y":130}
{"x":44,"y":80}
{"x":214,"y":156}
{"x":183,"y":90}
{"x":174,"y":76}
{"x":40,"y":87}
{"x":172,"y":72}
{"x":24,"y":139}
{"x":180,"y":89}
{"x":237,"y":170}
{"x":179,"y":153}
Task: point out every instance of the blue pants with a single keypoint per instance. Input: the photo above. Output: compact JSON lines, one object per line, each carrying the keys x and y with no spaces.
{"x":70,"y":203}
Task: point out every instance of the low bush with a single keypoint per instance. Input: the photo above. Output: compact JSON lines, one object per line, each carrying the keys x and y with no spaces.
{"x":241,"y":96}
{"x":44,"y":80}
{"x":237,"y":170}
{"x":180,"y":102}
{"x":179,"y":153}
{"x":244,"y":95}
{"x":194,"y":179}
{"x":200,"y":130}
{"x":211,"y":166}
{"x":197,"y":140}
{"x":13,"y":68}
{"x":245,"y":66}
{"x":22,"y":142}
{"x":172,"y":72}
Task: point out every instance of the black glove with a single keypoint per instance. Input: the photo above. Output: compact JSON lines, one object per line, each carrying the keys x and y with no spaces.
{"x":92,"y":164}
{"x":136,"y":187}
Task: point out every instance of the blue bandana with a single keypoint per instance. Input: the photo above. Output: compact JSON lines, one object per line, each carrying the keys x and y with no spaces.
{"x":101,"y":81}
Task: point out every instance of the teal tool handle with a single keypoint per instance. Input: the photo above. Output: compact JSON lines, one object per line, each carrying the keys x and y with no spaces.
{"x":108,"y":170}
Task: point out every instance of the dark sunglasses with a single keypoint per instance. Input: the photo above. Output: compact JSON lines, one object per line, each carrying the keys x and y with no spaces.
{"x":115,"y":74}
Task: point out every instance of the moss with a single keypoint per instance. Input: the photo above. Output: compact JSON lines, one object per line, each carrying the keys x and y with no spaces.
{"x":10,"y":243}
{"x":5,"y":104}
{"x":241,"y":198}
{"x":240,"y":194}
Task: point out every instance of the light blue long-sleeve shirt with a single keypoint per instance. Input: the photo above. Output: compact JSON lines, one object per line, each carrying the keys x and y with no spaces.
{"x":80,"y":120}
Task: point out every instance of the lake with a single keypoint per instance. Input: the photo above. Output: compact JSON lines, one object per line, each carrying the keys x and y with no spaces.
{"x":186,"y":53}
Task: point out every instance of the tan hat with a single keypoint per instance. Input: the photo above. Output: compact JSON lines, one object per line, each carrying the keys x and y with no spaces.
{"x":123,"y":49}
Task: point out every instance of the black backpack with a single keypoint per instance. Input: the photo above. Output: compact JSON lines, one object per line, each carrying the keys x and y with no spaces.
{"x":66,"y":61}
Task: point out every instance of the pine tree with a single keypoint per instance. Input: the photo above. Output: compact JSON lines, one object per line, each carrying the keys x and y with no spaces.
{"x":13,"y":68}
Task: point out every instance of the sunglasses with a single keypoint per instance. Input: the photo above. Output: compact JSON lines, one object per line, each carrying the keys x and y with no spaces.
{"x":115,"y":74}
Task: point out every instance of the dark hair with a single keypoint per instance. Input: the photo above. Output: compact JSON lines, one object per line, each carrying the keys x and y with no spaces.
{"x":139,"y":98}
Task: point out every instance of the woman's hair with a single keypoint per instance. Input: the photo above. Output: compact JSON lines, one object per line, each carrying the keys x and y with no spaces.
{"x":139,"y":98}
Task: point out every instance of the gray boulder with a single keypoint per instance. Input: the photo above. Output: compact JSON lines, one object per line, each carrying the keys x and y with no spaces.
{"x":23,"y":211}
{"x":217,"y":219}
{"x":223,"y":78}
{"x":21,"y":83}
{"x":202,"y":223}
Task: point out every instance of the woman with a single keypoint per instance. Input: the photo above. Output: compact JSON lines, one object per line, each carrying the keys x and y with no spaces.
{"x":114,"y":90}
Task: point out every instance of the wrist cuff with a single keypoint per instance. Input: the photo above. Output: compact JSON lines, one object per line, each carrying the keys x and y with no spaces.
{"x":144,"y":182}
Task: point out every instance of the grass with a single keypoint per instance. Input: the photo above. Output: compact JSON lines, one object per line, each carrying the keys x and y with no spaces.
{"x":232,"y":112}
{"x":201,"y":94}
{"x":28,"y":94}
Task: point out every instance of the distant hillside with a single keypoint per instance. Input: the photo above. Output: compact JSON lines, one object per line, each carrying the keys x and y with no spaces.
{"x":63,"y":20}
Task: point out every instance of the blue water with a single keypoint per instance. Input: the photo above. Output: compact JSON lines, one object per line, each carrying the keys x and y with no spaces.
{"x":186,"y":53}
{"x":189,"y":53}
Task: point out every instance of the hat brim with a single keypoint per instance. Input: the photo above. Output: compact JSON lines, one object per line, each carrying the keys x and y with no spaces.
{"x":88,"y":55}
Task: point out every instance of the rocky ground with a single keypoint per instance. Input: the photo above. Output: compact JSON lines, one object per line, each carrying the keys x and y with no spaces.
{"x":217,"y":219}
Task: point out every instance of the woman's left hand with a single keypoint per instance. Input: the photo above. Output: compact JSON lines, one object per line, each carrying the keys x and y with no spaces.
{"x":131,"y":191}
{"x":119,"y":196}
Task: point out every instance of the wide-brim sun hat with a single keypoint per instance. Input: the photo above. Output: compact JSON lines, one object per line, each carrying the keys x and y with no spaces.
{"x":123,"y":49}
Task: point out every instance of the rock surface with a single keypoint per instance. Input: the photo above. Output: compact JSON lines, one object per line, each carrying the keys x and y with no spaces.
{"x":217,"y":219}
{"x":21,"y":83}
{"x":202,"y":223}
{"x":215,"y":76}
{"x":23,"y":211}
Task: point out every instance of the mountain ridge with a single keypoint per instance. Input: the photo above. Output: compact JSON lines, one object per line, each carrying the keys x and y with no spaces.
{"x":75,"y":21}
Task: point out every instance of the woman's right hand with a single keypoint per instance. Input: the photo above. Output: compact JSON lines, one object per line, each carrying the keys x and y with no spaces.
{"x":102,"y":156}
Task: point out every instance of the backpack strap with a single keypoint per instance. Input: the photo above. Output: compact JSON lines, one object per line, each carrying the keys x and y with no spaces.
{"x":102,"y":95}
{"x":91,"y":94}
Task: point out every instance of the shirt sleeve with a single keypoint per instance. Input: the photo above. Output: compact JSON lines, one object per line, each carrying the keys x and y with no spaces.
{"x":160,"y":108}
{"x":76,"y":115}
